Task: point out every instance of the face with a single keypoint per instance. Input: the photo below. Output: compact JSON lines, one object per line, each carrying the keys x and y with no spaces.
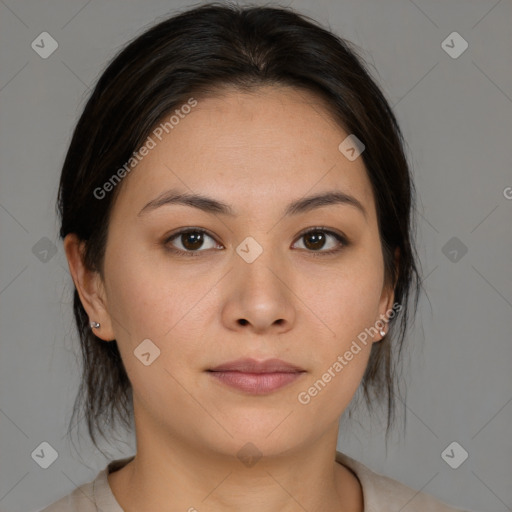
{"x":260,"y":280}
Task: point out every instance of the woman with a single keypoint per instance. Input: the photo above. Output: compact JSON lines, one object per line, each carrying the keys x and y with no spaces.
{"x":236,"y":213}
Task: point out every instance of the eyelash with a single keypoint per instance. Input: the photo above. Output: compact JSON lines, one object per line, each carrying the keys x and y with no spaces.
{"x":340,"y":238}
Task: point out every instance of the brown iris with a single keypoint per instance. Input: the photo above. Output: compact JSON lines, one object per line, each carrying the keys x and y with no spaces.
{"x":192,"y":240}
{"x":314,"y":240}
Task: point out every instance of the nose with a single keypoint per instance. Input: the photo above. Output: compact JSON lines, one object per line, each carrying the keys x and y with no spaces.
{"x":260,"y":296}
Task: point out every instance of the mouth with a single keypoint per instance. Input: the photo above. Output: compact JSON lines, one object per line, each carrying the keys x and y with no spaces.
{"x":256,"y":377}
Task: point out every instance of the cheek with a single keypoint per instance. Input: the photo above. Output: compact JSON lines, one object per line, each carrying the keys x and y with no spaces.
{"x":345,"y":303}
{"x":344,"y":300}
{"x":154,"y":305}
{"x":325,"y":397}
{"x":146,"y":295}
{"x":347,"y":306}
{"x":151,"y":301}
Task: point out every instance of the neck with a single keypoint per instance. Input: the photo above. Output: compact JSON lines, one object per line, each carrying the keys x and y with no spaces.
{"x":173,"y":476}
{"x":178,"y":471}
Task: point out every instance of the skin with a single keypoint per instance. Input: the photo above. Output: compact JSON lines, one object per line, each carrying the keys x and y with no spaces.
{"x":256,"y":152}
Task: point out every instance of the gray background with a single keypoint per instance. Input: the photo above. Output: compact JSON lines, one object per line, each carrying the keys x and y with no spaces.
{"x":456,"y":115}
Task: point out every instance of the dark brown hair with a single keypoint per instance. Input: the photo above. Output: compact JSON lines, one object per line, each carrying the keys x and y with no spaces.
{"x":194,"y":53}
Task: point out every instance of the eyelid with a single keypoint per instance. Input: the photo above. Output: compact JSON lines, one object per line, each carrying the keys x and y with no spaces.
{"x":325,"y":229}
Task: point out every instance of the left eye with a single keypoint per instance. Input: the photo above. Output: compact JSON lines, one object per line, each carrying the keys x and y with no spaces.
{"x":316,"y":240}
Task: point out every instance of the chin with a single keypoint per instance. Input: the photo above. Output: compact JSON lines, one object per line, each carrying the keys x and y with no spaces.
{"x":271,"y":437}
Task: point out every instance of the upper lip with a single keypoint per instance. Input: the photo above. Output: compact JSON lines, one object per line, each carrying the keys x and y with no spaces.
{"x":254,"y":366}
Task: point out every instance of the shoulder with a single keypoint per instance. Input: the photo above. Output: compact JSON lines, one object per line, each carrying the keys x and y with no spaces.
{"x":382,"y":493}
{"x":80,"y":500}
{"x":91,"y":496}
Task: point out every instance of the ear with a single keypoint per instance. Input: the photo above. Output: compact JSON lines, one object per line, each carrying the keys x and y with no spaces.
{"x":89,"y":286}
{"x":388,"y":296}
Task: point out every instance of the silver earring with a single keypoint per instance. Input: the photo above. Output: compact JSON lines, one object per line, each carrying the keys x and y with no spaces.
{"x":382,"y":332}
{"x":95,"y":325}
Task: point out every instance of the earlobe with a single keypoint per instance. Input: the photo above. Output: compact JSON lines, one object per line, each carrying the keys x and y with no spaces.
{"x":387,"y":300}
{"x":90,"y":288}
{"x":381,"y":325}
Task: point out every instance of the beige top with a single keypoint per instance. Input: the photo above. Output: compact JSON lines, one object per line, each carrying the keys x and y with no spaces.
{"x":380,"y":493}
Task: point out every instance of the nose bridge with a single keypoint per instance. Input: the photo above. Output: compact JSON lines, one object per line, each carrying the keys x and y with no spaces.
{"x":261,"y":282}
{"x":261,"y":257}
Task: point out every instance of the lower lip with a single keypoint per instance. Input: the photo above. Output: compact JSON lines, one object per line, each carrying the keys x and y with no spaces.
{"x":256,"y":383}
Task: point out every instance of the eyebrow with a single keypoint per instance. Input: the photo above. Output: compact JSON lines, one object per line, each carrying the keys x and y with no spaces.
{"x":213,"y":206}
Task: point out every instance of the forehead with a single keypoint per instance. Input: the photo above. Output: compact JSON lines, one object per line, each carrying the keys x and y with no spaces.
{"x":272,"y":145}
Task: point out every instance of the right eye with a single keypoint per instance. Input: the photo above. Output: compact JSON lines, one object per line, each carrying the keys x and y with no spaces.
{"x":191,"y":241}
